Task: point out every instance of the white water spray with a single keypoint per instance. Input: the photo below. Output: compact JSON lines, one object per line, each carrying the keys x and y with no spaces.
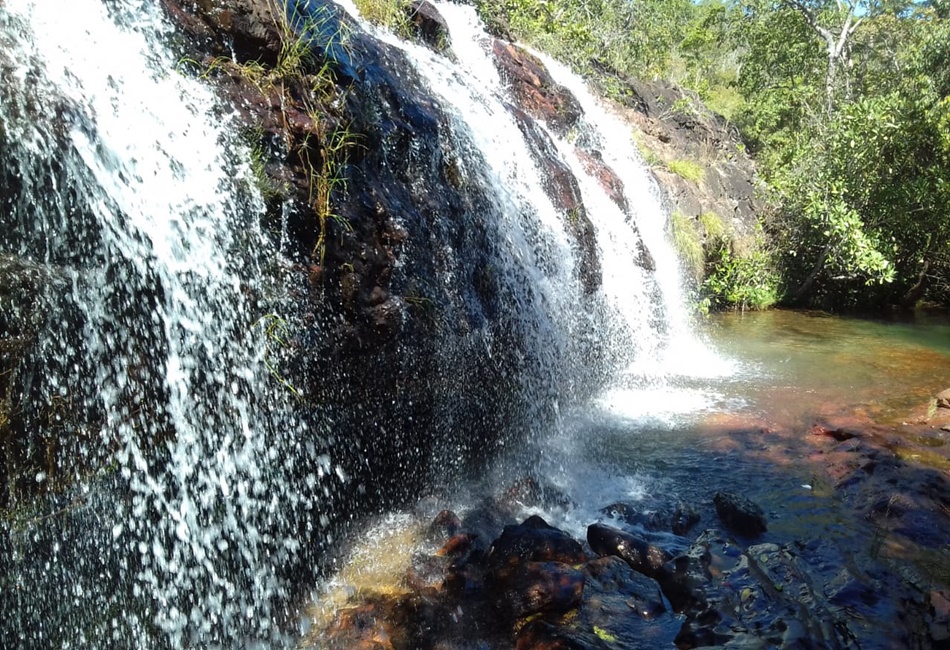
{"x":147,"y":162}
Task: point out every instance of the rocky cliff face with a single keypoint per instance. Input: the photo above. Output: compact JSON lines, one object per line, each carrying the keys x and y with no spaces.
{"x":397,"y":355}
{"x":674,"y":126}
{"x":373,"y":202}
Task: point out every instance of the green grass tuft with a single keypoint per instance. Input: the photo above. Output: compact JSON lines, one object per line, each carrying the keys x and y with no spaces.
{"x":687,"y":169}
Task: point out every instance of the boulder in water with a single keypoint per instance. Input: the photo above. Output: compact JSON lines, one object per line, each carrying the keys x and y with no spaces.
{"x":739,"y":514}
{"x":642,"y":556}
{"x":535,"y":90}
{"x":943,"y":399}
{"x":429,"y":25}
{"x":532,"y":541}
{"x":539,"y":587}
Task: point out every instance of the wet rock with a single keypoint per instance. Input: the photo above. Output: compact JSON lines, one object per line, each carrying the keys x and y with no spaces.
{"x":445,"y":525}
{"x":563,"y":189}
{"x":532,"y":541}
{"x":689,"y":573}
{"x":529,"y":493}
{"x":538,"y":587}
{"x":542,"y":635}
{"x":457,"y":544}
{"x":380,"y":624}
{"x":838,"y":433}
{"x":740,"y":514}
{"x":609,"y":180}
{"x":679,"y":519}
{"x":427,"y":573}
{"x":684,"y":519}
{"x":535,"y":90}
{"x":637,"y":552}
{"x":611,"y":582}
{"x":938,"y":618}
{"x":429,"y":25}
{"x":762,"y":597}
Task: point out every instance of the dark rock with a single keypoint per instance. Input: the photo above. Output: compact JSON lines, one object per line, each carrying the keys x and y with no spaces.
{"x":637,"y":552}
{"x":379,"y":624}
{"x":445,"y":525}
{"x":563,"y":189}
{"x":938,"y":618}
{"x":535,"y":90}
{"x":429,"y":25}
{"x":740,"y":514}
{"x":542,"y":635}
{"x":594,"y":164}
{"x":532,"y":541}
{"x":529,"y":493}
{"x":838,"y":433}
{"x":457,"y":544}
{"x":762,"y":597}
{"x":679,"y":520}
{"x":689,"y":574}
{"x":612,"y":578}
{"x":683,"y":519}
{"x":427,"y":573}
{"x":539,"y":587}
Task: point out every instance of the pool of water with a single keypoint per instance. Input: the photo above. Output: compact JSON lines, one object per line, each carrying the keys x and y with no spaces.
{"x":793,"y":365}
{"x":739,"y":420}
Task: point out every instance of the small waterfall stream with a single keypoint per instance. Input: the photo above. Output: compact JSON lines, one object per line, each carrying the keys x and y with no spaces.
{"x":194,"y":484}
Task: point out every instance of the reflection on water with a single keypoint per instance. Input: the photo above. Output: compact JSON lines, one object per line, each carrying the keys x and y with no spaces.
{"x":797,"y":364}
{"x":705,"y":430}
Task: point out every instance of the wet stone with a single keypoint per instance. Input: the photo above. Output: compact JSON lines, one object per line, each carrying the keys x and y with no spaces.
{"x":542,"y":635}
{"x":632,"y":549}
{"x":739,"y":514}
{"x":539,"y":587}
{"x":445,"y":525}
{"x":612,"y":587}
{"x":533,"y":541}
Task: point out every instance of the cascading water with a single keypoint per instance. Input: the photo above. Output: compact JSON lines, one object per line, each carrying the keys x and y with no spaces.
{"x":167,"y":470}
{"x":182,"y":484}
{"x":637,"y":320}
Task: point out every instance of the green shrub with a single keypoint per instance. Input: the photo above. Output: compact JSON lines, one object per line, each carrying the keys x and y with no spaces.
{"x":714,"y":228}
{"x":742,"y":279}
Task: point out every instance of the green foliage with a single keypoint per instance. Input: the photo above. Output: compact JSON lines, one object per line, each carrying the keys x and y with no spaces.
{"x":742,"y":281}
{"x":688,"y":243}
{"x":687,"y":169}
{"x":327,"y":176}
{"x":713,"y":226}
{"x":846,"y":107}
{"x":629,"y":37}
{"x":388,"y":13}
{"x":855,"y":149}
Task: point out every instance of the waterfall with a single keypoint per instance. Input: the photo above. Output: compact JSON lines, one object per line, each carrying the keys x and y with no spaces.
{"x":128,"y":193}
{"x":175,"y":492}
{"x":639,"y":316}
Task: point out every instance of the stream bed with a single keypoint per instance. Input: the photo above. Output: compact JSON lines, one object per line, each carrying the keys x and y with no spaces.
{"x":826,"y":423}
